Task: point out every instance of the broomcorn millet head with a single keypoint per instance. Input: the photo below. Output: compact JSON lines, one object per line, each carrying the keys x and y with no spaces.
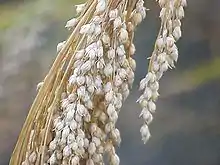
{"x":73,"y":118}
{"x":164,"y":55}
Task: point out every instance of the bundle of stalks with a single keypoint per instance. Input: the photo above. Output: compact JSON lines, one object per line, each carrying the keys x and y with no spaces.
{"x":72,"y":119}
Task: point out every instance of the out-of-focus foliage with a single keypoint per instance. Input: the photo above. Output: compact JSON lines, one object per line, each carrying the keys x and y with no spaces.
{"x":18,"y":12}
{"x":205,"y":72}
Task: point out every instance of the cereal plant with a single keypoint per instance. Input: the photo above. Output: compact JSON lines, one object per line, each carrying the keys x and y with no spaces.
{"x":72,"y":120}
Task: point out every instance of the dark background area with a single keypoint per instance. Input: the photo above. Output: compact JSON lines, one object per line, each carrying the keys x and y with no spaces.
{"x":186,"y":126}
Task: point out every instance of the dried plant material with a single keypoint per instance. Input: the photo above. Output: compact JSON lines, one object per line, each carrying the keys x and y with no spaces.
{"x":73,"y":118}
{"x":164,"y":55}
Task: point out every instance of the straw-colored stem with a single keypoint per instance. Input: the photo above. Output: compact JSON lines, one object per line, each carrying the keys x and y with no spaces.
{"x":19,"y":151}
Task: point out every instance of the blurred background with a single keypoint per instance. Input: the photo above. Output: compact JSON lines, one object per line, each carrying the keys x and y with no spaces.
{"x":186,"y":127}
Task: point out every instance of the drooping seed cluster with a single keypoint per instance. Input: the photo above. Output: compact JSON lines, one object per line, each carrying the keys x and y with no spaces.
{"x":101,"y":78}
{"x":73,"y":119}
{"x":164,"y":56}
